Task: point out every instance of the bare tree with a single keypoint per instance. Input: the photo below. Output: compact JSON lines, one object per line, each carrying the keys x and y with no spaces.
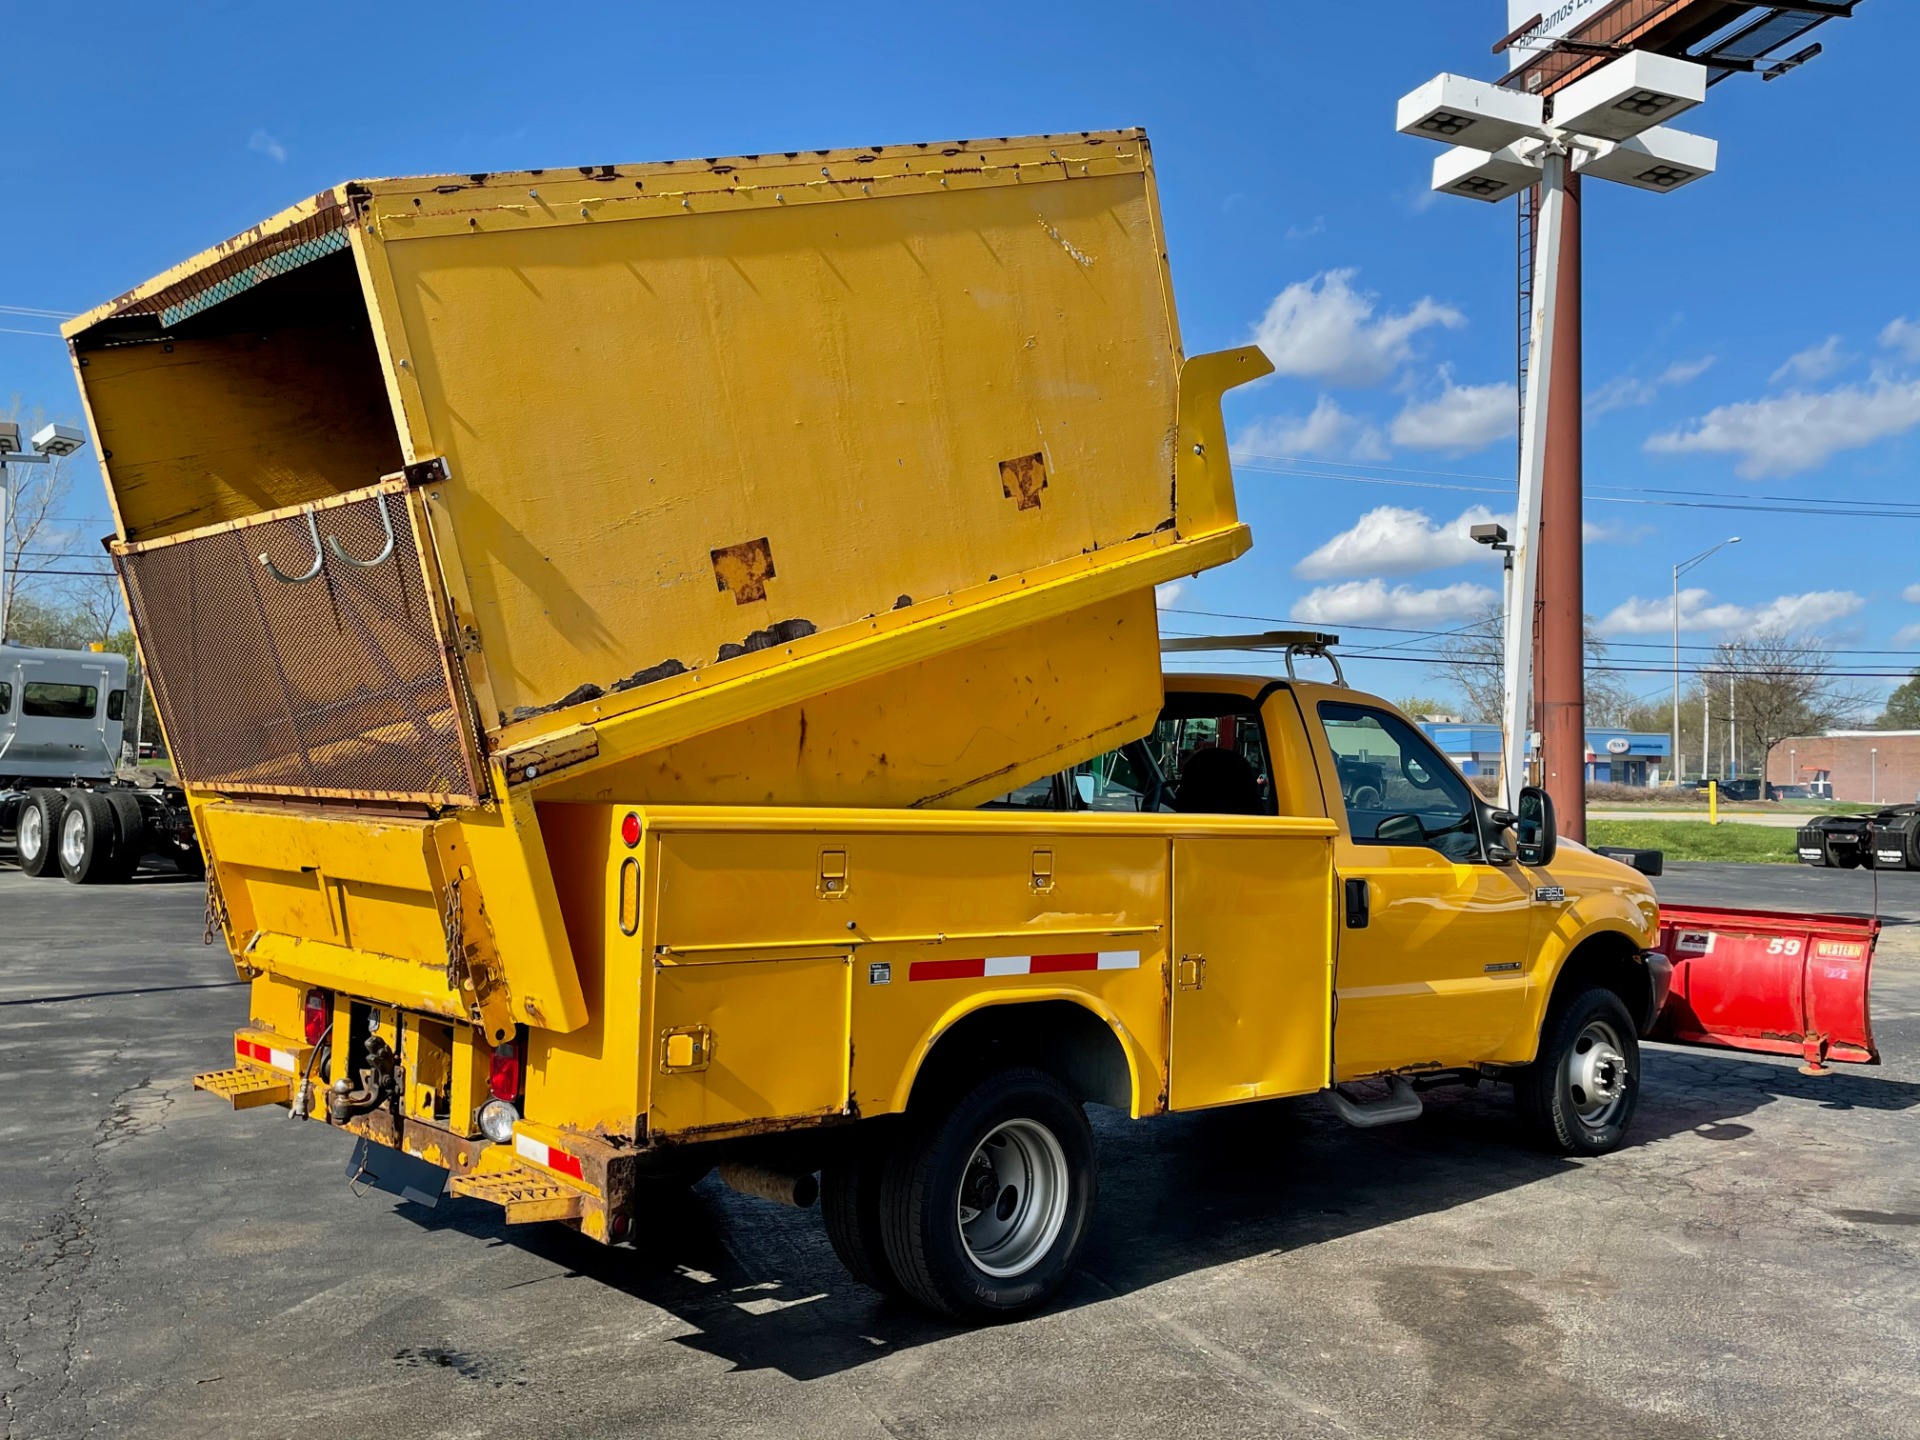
{"x":1781,"y":683}
{"x":42,"y":549}
{"x":1473,"y":660}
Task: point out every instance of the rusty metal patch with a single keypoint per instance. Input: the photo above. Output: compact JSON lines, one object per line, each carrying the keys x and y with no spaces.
{"x":744,"y":569}
{"x":1022,"y":479}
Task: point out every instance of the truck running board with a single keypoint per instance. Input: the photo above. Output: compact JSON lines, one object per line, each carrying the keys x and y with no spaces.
{"x":246,"y":1086}
{"x":524,"y":1193}
{"x":1404,"y":1103}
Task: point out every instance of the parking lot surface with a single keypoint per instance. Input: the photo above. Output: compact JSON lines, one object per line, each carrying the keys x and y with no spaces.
{"x":1749,"y":1266}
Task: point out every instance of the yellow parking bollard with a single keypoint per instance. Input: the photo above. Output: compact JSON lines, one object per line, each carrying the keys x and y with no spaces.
{"x":1713,"y":803}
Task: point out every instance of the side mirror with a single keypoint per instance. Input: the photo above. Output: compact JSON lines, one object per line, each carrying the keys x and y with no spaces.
{"x":1401,"y":830}
{"x":1536,"y":836}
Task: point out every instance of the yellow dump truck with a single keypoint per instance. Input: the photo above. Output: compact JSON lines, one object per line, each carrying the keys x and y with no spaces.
{"x":665,"y":667}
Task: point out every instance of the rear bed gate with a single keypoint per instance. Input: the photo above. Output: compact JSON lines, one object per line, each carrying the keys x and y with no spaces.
{"x":304,"y":652}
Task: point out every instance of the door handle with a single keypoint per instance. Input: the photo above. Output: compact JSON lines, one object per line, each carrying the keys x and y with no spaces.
{"x":1193,"y":971}
{"x":1359,"y":904}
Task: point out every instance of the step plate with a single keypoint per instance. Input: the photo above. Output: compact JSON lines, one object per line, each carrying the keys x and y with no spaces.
{"x":526,"y":1195}
{"x":246,"y":1086}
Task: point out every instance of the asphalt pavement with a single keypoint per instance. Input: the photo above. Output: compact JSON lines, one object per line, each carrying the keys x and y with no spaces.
{"x":1749,"y":1266}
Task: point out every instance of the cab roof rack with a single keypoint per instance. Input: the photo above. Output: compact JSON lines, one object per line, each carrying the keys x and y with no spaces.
{"x":1316,"y":644}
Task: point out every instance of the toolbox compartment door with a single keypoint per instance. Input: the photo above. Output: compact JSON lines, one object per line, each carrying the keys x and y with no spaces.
{"x":748,"y":1043}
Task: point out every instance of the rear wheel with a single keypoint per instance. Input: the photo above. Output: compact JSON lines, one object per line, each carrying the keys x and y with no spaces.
{"x":850,"y":1208}
{"x":38,"y":841}
{"x":88,"y":834}
{"x":1578,"y":1096}
{"x":984,"y":1206}
{"x":130,"y":834}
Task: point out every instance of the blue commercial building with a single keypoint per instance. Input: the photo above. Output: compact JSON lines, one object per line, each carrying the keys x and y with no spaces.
{"x":1619,"y":757}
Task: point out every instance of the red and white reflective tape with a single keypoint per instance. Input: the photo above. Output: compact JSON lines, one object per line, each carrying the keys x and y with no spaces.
{"x":551,"y":1156}
{"x":995,"y":965}
{"x":265,"y":1054}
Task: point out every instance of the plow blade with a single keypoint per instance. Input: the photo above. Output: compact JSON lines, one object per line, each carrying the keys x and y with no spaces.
{"x":1778,"y":983}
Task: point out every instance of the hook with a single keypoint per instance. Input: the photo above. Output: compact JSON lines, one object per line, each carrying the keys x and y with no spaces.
{"x":386,"y":522}
{"x":313,"y":529}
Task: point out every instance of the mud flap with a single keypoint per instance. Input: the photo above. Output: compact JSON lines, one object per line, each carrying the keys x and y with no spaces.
{"x":1781,"y":984}
{"x":396,"y":1172}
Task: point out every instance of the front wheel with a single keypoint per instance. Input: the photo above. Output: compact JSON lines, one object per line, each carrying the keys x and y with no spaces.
{"x":1578,"y":1096}
{"x":983,"y":1208}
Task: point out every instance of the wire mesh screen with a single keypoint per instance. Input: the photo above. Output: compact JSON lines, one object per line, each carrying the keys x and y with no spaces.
{"x":300,"y":655}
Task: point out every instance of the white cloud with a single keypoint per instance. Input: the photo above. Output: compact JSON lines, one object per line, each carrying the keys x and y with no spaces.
{"x":1907,"y":635}
{"x":1625,"y":390}
{"x":1368,"y":602}
{"x":1329,"y":432}
{"x":1389,"y":540}
{"x":1166,"y":595}
{"x":263,"y":143}
{"x":1324,"y":329}
{"x":1798,"y":431}
{"x":1784,"y":612}
{"x":1306,"y":232}
{"x":1911,"y":594}
{"x":1461,"y":419}
{"x":1816,"y":362}
{"x":1902,"y":335}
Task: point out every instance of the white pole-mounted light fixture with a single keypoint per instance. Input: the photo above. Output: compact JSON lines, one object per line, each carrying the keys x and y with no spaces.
{"x":1609,"y":125}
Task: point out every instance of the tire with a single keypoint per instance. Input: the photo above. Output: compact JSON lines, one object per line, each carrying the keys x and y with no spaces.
{"x":187,"y":858}
{"x":130,"y":835}
{"x":1578,"y":1097}
{"x":37,"y":842}
{"x":88,"y":834}
{"x":1018,"y":1259}
{"x":850,"y":1208}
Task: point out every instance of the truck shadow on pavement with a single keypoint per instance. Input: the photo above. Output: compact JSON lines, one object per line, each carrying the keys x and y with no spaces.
{"x":759,"y":1286}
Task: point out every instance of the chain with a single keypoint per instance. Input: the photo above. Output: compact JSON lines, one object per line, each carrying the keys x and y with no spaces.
{"x":216,"y":925}
{"x":456,"y":951}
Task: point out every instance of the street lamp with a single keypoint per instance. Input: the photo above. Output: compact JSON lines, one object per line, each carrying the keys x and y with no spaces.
{"x":1605,"y":124}
{"x":50,"y":442}
{"x":1678,"y":571}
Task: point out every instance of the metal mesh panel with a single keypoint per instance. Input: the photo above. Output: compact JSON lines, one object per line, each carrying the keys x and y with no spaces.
{"x":331,"y":685}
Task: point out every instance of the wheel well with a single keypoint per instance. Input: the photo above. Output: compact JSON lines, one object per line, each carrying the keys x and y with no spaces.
{"x":1612,"y":961}
{"x":1068,"y":1041}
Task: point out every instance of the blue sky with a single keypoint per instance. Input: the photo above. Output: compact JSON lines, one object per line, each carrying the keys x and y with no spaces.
{"x":1757,"y":334}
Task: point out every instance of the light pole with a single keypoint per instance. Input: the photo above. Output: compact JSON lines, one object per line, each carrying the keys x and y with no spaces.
{"x":50,"y":442}
{"x":1602,"y":125}
{"x":1678,"y":571}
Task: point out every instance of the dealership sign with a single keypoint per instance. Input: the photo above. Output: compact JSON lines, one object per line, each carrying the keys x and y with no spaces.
{"x":1557,"y":22}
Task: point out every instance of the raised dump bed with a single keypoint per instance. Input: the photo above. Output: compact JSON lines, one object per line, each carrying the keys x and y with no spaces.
{"x":825,"y":477}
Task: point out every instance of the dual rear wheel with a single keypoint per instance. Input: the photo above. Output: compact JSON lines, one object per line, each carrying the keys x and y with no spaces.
{"x":977,"y":1211}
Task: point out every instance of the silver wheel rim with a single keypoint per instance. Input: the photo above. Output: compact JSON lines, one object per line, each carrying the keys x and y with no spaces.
{"x":1013,"y":1198}
{"x":33,"y":833}
{"x":1597,"y":1076}
{"x":73,"y":839}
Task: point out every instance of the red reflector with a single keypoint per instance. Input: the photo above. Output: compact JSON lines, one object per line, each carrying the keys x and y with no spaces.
{"x":630,"y":829}
{"x":503,"y":1072}
{"x":315,"y":1013}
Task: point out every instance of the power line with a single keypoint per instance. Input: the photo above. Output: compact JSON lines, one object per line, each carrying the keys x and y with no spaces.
{"x":1462,"y":629}
{"x":36,"y":310}
{"x":1849,"y":510}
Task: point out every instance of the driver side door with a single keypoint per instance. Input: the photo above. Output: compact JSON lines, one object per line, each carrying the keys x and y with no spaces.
{"x":1434,"y":940}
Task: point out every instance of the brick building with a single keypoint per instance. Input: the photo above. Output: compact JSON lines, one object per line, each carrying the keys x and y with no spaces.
{"x":1872,"y":766}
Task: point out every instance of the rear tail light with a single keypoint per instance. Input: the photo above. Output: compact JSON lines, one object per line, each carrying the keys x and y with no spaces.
{"x":317,"y":1012}
{"x":503,"y":1071}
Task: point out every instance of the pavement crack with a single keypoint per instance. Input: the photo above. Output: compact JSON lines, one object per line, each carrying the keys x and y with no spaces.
{"x":55,"y":1273}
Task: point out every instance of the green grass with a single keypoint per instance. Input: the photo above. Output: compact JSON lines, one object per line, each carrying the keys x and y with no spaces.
{"x":1697,"y":840}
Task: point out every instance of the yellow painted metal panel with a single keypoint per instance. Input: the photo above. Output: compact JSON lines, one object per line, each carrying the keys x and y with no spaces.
{"x":777,"y":1048}
{"x":524,"y":911}
{"x":952,"y":730}
{"x":1252,"y":971}
{"x":899,"y":350}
